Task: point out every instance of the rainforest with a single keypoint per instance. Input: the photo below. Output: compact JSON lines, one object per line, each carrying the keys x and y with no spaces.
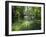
{"x":26,"y":18}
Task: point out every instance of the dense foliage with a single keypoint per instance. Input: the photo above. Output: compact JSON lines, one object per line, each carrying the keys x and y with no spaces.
{"x":26,"y":18}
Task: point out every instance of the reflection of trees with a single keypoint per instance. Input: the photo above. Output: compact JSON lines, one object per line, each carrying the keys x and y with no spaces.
{"x":26,"y":17}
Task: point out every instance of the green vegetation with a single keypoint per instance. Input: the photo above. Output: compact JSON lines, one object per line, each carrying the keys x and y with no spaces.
{"x":26,"y":18}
